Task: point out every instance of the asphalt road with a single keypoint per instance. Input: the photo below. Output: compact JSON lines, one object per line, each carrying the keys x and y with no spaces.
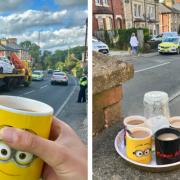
{"x":154,"y":73}
{"x":61,"y":98}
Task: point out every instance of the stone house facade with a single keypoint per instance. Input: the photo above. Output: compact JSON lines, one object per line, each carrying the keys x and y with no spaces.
{"x":108,"y":15}
{"x":170,"y":16}
{"x":141,"y":14}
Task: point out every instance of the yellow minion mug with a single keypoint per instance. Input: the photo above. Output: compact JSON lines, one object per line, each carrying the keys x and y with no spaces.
{"x":32,"y":116}
{"x":139,"y":145}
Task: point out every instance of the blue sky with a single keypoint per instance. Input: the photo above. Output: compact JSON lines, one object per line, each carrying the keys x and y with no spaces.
{"x":61,"y":23}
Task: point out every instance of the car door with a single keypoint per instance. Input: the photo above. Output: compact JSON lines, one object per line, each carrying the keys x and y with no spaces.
{"x":8,"y":66}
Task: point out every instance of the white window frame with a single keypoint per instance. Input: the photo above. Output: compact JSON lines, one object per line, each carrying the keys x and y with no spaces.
{"x":136,"y":13}
{"x":100,"y":23}
{"x":106,"y":3}
{"x":151,"y":12}
{"x":98,"y":2}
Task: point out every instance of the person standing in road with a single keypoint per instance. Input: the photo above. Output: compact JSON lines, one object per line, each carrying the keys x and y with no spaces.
{"x":83,"y":86}
{"x":134,"y":44}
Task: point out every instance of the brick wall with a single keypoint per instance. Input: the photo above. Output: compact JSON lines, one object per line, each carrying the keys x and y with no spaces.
{"x":107,"y":90}
{"x":114,"y":10}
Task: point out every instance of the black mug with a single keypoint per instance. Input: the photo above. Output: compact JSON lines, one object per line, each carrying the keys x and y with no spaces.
{"x":167,"y":145}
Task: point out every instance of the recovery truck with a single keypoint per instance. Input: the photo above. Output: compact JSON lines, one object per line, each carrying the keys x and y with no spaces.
{"x":21,"y":75}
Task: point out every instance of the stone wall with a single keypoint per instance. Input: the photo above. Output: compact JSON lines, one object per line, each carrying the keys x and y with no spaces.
{"x":108,"y":75}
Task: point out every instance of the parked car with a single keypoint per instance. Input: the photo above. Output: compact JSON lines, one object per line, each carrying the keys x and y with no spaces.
{"x":6,"y":66}
{"x":50,"y":71}
{"x":37,"y":75}
{"x":163,"y":35}
{"x":99,"y":46}
{"x":59,"y":78}
{"x":170,"y":45}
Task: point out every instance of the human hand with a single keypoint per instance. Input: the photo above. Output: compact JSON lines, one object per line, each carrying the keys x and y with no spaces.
{"x":65,"y":155}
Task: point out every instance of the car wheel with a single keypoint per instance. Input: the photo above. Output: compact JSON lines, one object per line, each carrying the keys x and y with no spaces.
{"x":160,"y":53}
{"x":52,"y":83}
{"x":66,"y":83}
{"x":1,"y":70}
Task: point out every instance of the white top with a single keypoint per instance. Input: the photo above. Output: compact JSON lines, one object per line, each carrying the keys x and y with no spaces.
{"x":133,"y":41}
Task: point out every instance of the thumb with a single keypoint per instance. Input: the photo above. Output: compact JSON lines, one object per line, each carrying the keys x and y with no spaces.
{"x":49,"y":151}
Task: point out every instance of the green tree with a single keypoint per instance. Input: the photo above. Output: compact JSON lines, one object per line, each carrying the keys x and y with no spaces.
{"x":34,"y":51}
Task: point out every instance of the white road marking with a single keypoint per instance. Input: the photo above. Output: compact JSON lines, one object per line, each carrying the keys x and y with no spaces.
{"x":43,"y":86}
{"x":29,"y":92}
{"x":67,"y":99}
{"x":174,"y":96}
{"x":152,"y":67}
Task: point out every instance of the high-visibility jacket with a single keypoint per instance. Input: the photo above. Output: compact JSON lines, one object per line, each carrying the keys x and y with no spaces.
{"x":83,"y":81}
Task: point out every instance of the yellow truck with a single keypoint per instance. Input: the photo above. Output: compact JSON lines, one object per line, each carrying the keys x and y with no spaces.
{"x":20,"y":76}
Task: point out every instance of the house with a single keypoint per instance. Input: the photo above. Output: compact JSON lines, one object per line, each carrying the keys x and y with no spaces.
{"x":108,"y":15}
{"x":141,"y":14}
{"x":9,"y":46}
{"x":170,"y":16}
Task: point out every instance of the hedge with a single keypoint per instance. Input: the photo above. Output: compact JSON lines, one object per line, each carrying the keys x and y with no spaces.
{"x":121,"y":37}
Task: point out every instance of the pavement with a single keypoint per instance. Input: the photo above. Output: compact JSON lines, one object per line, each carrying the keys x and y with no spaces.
{"x":61,"y":98}
{"x":160,"y":72}
{"x":127,"y":54}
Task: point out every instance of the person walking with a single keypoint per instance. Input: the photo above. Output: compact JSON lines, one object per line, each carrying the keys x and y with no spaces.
{"x":134,"y":44}
{"x":83,"y":86}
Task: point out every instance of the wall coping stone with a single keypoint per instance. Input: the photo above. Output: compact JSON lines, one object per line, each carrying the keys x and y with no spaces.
{"x":109,"y":72}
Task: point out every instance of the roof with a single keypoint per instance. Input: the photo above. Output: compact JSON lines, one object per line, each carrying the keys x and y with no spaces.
{"x":166,"y":9}
{"x":15,"y":46}
{"x":6,"y":48}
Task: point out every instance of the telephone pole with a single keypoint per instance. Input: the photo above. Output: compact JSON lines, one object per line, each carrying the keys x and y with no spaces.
{"x":85,"y":52}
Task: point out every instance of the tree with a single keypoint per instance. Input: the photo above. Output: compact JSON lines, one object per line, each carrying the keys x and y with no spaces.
{"x":26,"y":44}
{"x":34,"y":51}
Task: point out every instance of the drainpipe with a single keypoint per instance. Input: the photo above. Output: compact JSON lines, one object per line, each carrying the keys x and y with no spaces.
{"x":133,"y":24}
{"x":114,"y":23}
{"x":145,"y":12}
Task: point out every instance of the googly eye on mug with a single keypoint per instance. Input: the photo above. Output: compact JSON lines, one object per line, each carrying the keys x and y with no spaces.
{"x":147,"y":151}
{"x":138,"y":153}
{"x":5,"y":152}
{"x":23,"y":158}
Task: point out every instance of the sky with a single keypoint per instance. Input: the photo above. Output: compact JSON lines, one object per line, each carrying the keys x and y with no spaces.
{"x":60,"y":24}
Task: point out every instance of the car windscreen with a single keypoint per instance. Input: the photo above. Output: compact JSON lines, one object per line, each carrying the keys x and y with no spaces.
{"x":173,"y":40}
{"x":59,"y":74}
{"x":37,"y":73}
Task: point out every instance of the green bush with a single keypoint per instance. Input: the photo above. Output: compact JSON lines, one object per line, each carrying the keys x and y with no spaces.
{"x":123,"y":37}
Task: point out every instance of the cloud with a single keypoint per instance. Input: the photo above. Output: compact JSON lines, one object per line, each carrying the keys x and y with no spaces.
{"x":19,"y":22}
{"x":27,"y":20}
{"x":58,"y":39}
{"x":10,"y":4}
{"x":65,"y":3}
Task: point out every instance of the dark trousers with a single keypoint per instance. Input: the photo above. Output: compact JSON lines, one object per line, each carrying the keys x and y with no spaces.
{"x":82,"y":94}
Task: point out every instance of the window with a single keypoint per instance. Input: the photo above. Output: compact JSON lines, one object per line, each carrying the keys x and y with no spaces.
{"x":119,"y":23}
{"x":111,"y":23}
{"x":97,"y":2}
{"x":100,"y":23}
{"x":137,"y":10}
{"x":105,"y":2}
{"x":150,"y":12}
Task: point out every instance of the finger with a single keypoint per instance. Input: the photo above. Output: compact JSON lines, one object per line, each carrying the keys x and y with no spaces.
{"x":55,"y":129}
{"x":49,"y":151}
